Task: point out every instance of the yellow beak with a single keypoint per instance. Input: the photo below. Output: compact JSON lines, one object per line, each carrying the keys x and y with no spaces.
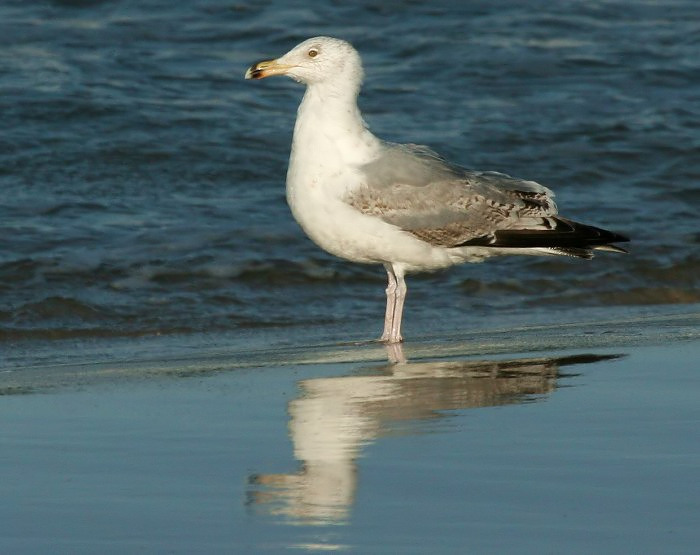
{"x":265,"y":68}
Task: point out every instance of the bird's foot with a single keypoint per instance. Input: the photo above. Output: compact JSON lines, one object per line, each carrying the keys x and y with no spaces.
{"x":389,"y":340}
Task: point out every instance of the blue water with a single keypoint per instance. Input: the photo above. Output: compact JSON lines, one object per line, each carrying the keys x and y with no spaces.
{"x":179,"y":365}
{"x":142,"y":178}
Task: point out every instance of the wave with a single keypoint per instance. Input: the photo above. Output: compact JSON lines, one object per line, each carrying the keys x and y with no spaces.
{"x":162,"y":299}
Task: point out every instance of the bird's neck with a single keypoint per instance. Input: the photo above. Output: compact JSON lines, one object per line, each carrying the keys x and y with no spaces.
{"x":329,"y":121}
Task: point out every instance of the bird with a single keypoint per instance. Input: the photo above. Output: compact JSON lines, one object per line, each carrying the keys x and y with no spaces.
{"x":403,"y":206}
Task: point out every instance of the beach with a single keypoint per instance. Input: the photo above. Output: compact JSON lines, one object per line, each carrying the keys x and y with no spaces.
{"x":587,"y":442}
{"x":182,"y":370}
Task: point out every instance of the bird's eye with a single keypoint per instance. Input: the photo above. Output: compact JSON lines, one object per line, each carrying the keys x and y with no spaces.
{"x":313,"y":53}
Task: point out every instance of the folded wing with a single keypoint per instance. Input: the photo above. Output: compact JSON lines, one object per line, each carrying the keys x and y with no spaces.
{"x":413,"y":188}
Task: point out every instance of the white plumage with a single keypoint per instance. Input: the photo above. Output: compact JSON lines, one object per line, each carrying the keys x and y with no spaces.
{"x":402,"y":206}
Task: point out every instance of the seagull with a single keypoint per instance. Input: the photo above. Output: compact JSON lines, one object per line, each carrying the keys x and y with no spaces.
{"x":402,"y":205}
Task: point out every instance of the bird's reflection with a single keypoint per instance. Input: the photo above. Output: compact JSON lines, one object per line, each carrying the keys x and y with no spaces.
{"x":333,"y":418}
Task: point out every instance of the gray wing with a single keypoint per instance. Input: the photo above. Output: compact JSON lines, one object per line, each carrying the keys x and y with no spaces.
{"x":413,"y":188}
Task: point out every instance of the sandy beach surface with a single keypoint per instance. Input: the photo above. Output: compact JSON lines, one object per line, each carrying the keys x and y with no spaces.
{"x":577,"y":438}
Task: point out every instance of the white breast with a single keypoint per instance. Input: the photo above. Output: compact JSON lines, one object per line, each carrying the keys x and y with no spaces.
{"x":327,"y":150}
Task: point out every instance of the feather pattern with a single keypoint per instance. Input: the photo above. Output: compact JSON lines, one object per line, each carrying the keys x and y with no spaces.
{"x":413,"y":188}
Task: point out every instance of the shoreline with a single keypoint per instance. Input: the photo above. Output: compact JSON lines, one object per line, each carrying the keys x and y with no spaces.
{"x":201,"y":354}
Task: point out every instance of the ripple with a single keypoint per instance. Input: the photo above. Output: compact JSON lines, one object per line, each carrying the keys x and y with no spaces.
{"x":143,"y":178}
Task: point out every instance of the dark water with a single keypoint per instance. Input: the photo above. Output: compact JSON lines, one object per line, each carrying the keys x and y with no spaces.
{"x":142,"y":178}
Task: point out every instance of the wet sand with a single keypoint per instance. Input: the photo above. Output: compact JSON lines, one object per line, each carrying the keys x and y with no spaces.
{"x":573,"y":439}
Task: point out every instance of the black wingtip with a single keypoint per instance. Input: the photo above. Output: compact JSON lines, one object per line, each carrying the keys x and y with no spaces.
{"x":567,"y":238}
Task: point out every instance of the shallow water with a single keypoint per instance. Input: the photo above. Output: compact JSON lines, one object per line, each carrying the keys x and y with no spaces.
{"x":181,"y":370}
{"x":577,"y":451}
{"x":143,"y":178}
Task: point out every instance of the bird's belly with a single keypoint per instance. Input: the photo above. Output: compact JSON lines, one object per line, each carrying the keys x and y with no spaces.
{"x":343,"y":237}
{"x":345,"y":232}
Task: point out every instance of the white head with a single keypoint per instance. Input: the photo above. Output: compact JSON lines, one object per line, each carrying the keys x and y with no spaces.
{"x":319,"y":60}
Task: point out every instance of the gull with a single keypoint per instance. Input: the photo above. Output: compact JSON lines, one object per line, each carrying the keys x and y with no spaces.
{"x":402,"y":205}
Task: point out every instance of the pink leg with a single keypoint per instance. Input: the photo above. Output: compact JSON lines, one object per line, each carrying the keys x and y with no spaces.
{"x":395,"y":296}
{"x":395,"y":336}
{"x":390,"y":304}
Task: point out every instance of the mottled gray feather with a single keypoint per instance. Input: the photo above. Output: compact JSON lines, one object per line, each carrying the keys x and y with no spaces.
{"x":413,"y":188}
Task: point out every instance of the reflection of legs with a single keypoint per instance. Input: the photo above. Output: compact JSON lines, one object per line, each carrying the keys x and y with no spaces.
{"x":394,"y":352}
{"x":390,"y":303}
{"x":395,"y":296}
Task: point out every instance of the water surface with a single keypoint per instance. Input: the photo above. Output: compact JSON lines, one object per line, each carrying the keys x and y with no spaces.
{"x":578,"y":451}
{"x":143,"y":178}
{"x":182,"y":370}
